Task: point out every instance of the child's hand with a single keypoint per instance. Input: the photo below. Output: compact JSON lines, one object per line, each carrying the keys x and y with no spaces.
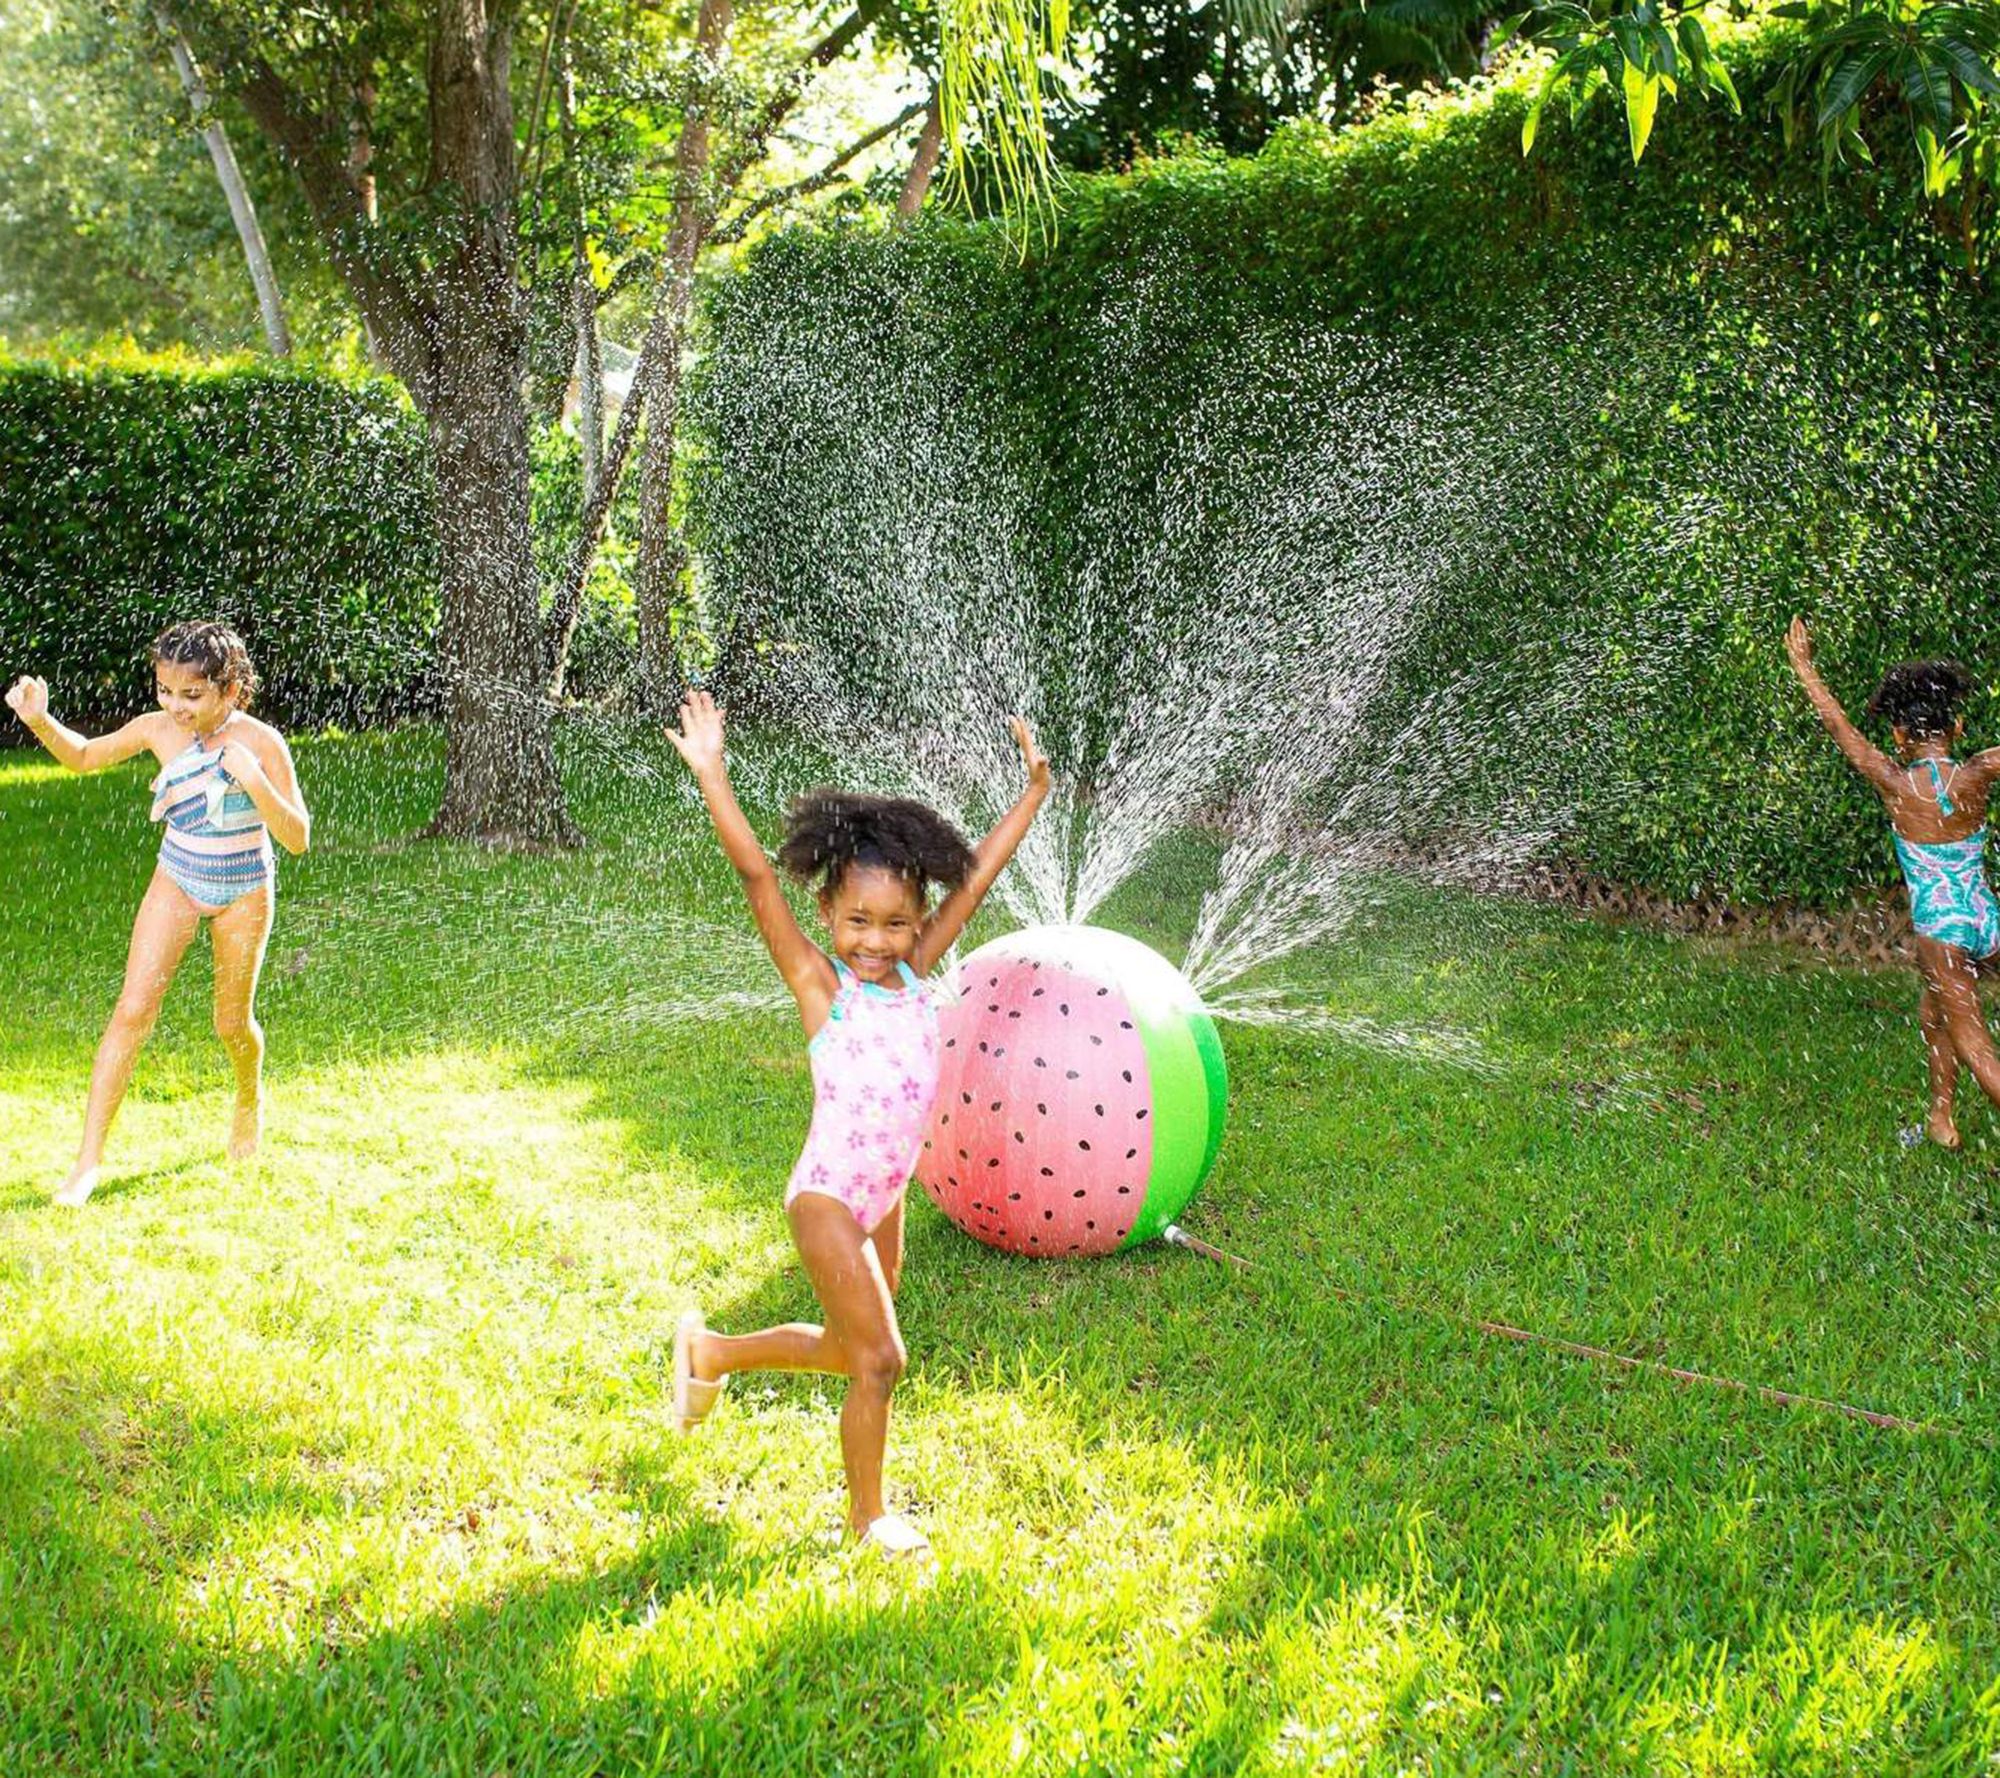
{"x":699,"y":740}
{"x":241,"y":764}
{"x":1798,"y":643}
{"x":1032,"y":756}
{"x":29,"y":699}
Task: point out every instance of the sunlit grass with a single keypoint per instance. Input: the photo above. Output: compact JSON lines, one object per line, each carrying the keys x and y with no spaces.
{"x":358,"y":1458}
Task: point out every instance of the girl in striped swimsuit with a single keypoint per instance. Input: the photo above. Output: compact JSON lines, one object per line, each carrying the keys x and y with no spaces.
{"x":224,"y":791}
{"x":871,"y":1025}
{"x":1937,"y":818}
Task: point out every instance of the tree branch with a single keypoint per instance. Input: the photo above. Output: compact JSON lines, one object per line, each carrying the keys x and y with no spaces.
{"x":396,"y":314}
{"x":751,"y":149}
{"x":733,"y":229}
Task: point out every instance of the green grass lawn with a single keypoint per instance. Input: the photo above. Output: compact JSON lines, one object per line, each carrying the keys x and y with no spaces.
{"x":358,"y":1460}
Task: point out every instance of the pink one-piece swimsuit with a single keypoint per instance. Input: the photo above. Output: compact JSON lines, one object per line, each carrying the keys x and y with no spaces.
{"x":875,"y":1075}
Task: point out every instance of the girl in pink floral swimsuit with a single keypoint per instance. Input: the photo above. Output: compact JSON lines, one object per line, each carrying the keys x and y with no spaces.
{"x":871,"y":1023}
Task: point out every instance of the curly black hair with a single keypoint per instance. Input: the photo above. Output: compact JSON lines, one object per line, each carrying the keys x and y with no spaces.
{"x":215,"y":651}
{"x":830,"y":832}
{"x":1922,"y":698}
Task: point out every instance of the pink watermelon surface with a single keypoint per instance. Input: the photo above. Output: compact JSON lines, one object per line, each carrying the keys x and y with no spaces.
{"x":1050,"y":1125}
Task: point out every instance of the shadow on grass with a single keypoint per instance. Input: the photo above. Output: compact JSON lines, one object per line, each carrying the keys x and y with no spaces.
{"x":687,"y":1654}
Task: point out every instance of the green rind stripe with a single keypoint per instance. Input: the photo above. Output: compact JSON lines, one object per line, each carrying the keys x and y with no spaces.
{"x":1184,"y":1069}
{"x":1208,"y":1043}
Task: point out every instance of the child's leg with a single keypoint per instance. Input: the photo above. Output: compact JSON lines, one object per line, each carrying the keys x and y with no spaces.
{"x":1943,"y":1063}
{"x":239,"y":934}
{"x":860,"y":1341}
{"x":1954,"y":983}
{"x":161,"y":932}
{"x":888,"y":1240}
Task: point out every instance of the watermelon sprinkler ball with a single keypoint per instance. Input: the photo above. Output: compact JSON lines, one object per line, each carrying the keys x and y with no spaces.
{"x":1081,"y":1099}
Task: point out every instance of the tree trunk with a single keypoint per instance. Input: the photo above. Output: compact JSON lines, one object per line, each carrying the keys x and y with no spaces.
{"x":583,"y":298}
{"x":655,"y":392}
{"x":662,"y":553}
{"x":500,"y":770}
{"x":923,"y":167}
{"x":270,"y":304}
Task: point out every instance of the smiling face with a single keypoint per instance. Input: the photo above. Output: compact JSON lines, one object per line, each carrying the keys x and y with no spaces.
{"x":874,"y":917}
{"x":195,"y":701}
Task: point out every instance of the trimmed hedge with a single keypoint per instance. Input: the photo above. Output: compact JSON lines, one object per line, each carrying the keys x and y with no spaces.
{"x":294,"y":506}
{"x":1668,"y":406}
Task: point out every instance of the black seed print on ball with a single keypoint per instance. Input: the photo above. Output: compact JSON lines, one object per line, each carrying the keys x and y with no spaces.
{"x":1013,"y":1197}
{"x":966,"y":1098}
{"x":1048,"y":1216}
{"x":1085,"y":1146}
{"x":1076,"y":1194}
{"x":1043,"y":1109}
{"x":1071,"y":1074}
{"x":1124,"y":1191}
{"x":1101,"y":992}
{"x":1131,"y":1154}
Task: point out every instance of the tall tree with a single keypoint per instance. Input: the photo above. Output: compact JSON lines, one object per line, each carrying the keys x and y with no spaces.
{"x":729,"y":126}
{"x":438,"y":285}
{"x":242,"y":210}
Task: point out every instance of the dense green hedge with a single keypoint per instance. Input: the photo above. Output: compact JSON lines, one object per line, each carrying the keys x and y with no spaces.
{"x":295,"y":507}
{"x":1645,"y":413}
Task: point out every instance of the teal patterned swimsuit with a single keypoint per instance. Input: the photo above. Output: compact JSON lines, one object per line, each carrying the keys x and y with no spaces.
{"x":1950,"y":898}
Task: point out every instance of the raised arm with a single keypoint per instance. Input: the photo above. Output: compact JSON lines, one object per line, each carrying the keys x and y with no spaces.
{"x":801,"y":962}
{"x":1866,"y":758}
{"x":990,"y":857}
{"x":264,"y":769}
{"x":29,"y":700}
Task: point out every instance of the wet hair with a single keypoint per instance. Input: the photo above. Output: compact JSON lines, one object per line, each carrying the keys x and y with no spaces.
{"x":215,"y":651}
{"x":1922,"y":698}
{"x":831,"y":832}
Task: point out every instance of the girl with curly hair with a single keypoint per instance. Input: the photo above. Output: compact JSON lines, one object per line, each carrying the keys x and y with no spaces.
{"x":1937,"y":816}
{"x":224,"y":790}
{"x":871,"y":1024}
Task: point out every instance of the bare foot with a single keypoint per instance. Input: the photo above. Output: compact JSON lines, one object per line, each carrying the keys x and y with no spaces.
{"x":245,"y":1128}
{"x":1943,"y":1130}
{"x":76,"y":1189}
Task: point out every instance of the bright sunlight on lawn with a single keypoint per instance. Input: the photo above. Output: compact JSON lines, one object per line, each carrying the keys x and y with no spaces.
{"x":359,"y":1459}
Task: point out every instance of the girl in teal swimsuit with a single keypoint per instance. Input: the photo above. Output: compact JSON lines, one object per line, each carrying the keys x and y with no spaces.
{"x":1937,"y":811}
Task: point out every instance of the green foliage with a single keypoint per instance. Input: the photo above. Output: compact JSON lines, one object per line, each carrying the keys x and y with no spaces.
{"x":296,"y":507}
{"x":1773,"y":397}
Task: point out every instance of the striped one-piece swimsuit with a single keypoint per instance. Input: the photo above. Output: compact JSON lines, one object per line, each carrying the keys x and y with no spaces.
{"x":216,"y":846}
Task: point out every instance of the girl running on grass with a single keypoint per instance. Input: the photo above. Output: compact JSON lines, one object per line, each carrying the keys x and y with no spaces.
{"x":1937,"y":811}
{"x":872,"y":1036}
{"x":224,"y":788}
